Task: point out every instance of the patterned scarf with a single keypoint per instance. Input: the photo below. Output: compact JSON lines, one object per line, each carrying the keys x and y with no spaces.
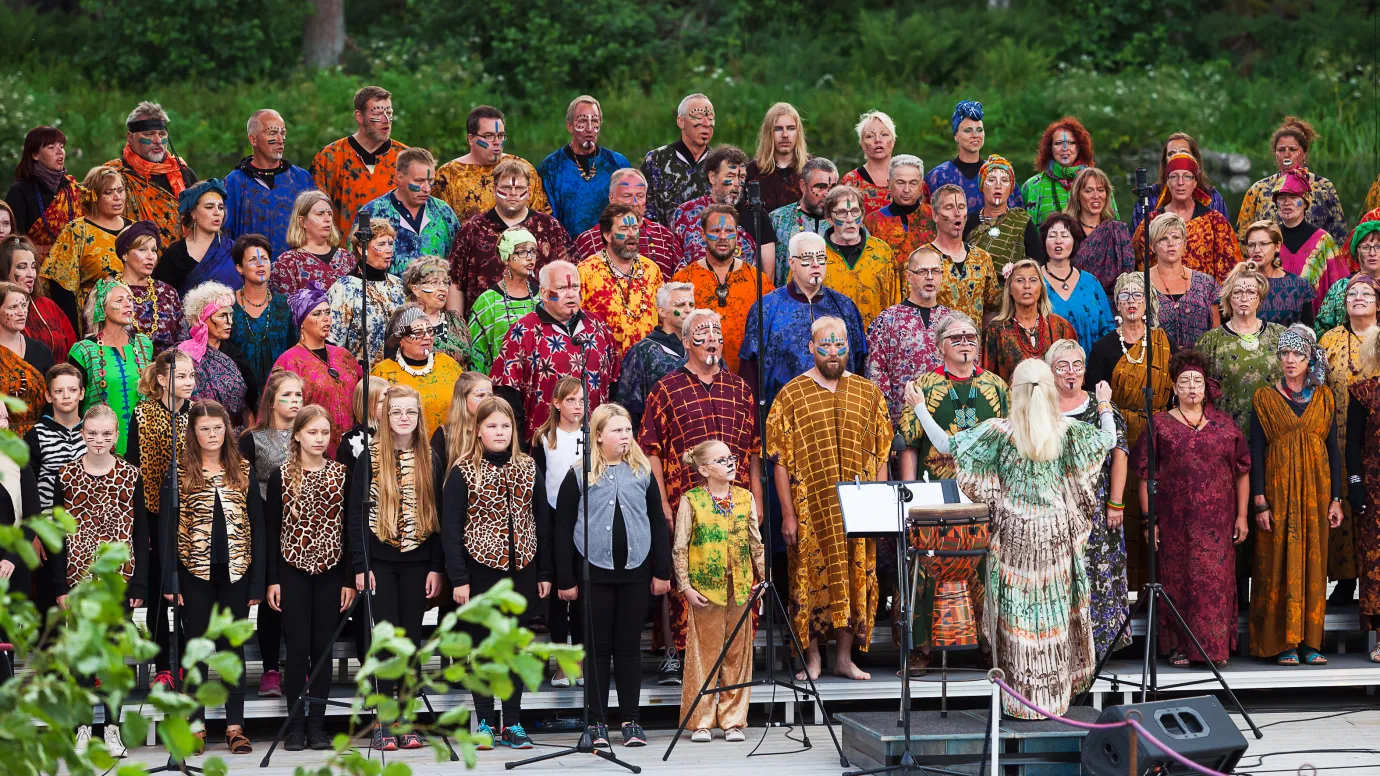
{"x":102,"y":290}
{"x":171,"y":166}
{"x":1299,"y":339}
{"x":1063,"y":175}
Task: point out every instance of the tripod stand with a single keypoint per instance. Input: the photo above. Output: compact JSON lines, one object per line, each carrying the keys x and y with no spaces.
{"x":766,"y":590}
{"x":1153,"y":593}
{"x":364,"y":234}
{"x":586,"y":743}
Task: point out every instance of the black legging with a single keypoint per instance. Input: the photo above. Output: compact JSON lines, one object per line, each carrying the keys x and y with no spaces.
{"x":565,"y":619}
{"x":311,"y":612}
{"x":158,"y":610}
{"x":198,"y":597}
{"x":483,"y":578}
{"x":269,"y":631}
{"x":616,"y":612}
{"x":400,"y":598}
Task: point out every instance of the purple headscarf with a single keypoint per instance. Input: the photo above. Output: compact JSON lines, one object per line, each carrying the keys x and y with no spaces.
{"x":303,"y":301}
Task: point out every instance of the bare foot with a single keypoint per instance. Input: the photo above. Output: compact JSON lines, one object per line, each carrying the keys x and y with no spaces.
{"x":813,"y":664}
{"x":849,"y":670}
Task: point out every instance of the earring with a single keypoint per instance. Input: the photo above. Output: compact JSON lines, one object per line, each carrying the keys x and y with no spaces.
{"x":1118,"y":319}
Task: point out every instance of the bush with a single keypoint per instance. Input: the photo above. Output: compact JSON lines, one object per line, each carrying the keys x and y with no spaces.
{"x":207,"y":41}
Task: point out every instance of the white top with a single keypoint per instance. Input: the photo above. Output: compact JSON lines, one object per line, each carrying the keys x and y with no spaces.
{"x":560,"y":461}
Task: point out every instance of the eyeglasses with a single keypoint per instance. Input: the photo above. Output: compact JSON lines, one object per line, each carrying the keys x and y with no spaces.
{"x":1360,"y":294}
{"x":1245,"y":293}
{"x":525,"y":253}
{"x":927,"y":272}
{"x":399,"y":413}
{"x":961,"y":339}
{"x":1368,"y":250}
{"x":1067,"y":367}
{"x":493,"y":137}
{"x":849,"y":213}
{"x":1259,"y":245}
{"x":1130,"y":296}
{"x":728,"y":460}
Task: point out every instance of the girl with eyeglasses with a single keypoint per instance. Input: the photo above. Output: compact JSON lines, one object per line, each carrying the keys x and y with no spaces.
{"x":718,"y":559}
{"x":398,"y":477}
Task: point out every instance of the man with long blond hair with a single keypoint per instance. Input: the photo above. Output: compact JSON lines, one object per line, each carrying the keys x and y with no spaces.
{"x":780,"y":158}
{"x":1034,"y":470}
{"x":828,"y":426}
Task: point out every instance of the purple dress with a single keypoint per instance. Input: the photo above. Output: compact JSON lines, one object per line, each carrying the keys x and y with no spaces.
{"x":1106,"y":254}
{"x":1188,"y":316}
{"x":1285,"y":302}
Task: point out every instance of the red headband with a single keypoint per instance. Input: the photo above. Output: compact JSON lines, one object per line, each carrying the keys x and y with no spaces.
{"x":1182,"y":162}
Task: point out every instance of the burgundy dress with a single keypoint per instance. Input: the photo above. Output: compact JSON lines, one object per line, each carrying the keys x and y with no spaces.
{"x":1196,"y":507}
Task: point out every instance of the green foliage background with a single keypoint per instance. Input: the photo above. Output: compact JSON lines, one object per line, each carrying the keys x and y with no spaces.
{"x":1133,"y":70}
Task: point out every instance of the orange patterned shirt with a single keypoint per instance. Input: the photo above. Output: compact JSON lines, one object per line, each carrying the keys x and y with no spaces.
{"x":903,"y":237}
{"x":351,"y":184}
{"x":626,"y":304}
{"x":469,"y":188}
{"x":1211,"y":246}
{"x":733,"y":311}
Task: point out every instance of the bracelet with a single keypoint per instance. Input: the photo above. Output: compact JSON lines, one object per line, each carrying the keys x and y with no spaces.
{"x":1104,"y":406}
{"x":1114,"y":505}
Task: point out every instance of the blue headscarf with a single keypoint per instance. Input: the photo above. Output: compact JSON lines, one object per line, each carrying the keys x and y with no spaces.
{"x":186,"y":201}
{"x":965,"y":109}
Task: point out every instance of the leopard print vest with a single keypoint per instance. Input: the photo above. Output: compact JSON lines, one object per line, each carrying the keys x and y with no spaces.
{"x":104,"y":510}
{"x":311,"y":536}
{"x":195,"y":526}
{"x":500,"y":506}
{"x":156,"y":447}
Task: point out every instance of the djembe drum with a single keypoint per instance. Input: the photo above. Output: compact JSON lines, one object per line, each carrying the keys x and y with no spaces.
{"x":950,"y":541}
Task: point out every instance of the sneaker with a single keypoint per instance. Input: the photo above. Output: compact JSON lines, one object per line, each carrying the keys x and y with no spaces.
{"x":113,"y":743}
{"x":164,"y":678}
{"x":484,"y":736}
{"x":669,"y":672}
{"x":411,"y":741}
{"x":271,"y":684}
{"x":599,"y":734}
{"x":702,"y":736}
{"x":736,"y":735}
{"x":579,"y":681}
{"x":560,"y":682}
{"x":317,"y":737}
{"x":514,"y":736}
{"x":83,"y":739}
{"x":296,"y":740}
{"x":383,"y":742}
{"x":633,"y":735}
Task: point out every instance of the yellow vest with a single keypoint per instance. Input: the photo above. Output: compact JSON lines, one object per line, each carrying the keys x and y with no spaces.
{"x":719,"y":545}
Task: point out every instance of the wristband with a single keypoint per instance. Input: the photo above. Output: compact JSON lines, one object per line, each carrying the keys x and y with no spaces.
{"x":1114,"y":505}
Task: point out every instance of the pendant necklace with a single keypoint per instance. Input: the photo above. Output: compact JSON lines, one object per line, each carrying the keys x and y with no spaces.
{"x":1065,"y":279}
{"x":965,"y":415}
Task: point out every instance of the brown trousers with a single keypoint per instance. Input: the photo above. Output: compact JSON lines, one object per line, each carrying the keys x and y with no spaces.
{"x":708,"y":629}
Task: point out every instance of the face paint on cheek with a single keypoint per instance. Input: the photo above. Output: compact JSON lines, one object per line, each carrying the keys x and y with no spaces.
{"x":481,"y":143}
{"x":414,"y":188}
{"x":553,"y":297}
{"x":145,"y":141}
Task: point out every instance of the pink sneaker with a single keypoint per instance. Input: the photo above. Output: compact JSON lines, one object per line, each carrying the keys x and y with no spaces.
{"x":164,"y":678}
{"x":271,"y":685}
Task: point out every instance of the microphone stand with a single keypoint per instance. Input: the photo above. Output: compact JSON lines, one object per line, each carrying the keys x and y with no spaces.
{"x":171,"y":500}
{"x":766,"y":591}
{"x":1152,"y":592}
{"x":586,"y":743}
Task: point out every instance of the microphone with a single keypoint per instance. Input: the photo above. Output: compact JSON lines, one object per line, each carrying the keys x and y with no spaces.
{"x":898,"y":444}
{"x":754,"y":192}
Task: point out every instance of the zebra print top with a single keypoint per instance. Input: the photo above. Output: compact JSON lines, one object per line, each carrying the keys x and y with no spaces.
{"x":52,"y":446}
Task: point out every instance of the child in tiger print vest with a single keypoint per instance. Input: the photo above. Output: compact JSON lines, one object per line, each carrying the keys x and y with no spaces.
{"x":495,"y":525}
{"x":718,"y":559}
{"x":105,"y":496}
{"x":309,"y":578}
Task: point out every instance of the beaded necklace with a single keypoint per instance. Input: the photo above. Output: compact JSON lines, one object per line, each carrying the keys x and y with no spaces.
{"x":724,"y":505}
{"x":625,"y":290}
{"x":153,"y":304}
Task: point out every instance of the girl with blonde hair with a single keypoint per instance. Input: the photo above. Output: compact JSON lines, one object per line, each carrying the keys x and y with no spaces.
{"x":623,"y":538}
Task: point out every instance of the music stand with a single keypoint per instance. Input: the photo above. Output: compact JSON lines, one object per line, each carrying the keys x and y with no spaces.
{"x":875,"y":510}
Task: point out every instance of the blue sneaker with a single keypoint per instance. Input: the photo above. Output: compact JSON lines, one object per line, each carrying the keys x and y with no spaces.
{"x":484,"y":737}
{"x":515,"y":737}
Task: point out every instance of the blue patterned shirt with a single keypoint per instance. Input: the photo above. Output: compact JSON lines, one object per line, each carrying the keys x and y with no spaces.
{"x":257,"y":202}
{"x":577,"y":201}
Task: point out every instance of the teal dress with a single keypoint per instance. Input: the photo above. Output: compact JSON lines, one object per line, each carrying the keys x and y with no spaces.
{"x":1086,"y":308}
{"x":112,"y":377}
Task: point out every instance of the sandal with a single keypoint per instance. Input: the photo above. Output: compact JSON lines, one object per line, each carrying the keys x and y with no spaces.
{"x":238,"y":742}
{"x":1178,"y":659}
{"x":1375,"y":654}
{"x":1289,"y":657}
{"x":1313,"y":657}
{"x":200,"y":742}
{"x":917,"y":664}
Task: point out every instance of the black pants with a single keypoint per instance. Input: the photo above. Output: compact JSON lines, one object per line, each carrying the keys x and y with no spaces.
{"x":482,"y":578}
{"x":158,"y":612}
{"x":615,"y":612}
{"x":566,"y":620}
{"x":199,"y":596}
{"x":269,"y":631}
{"x":311,"y":612}
{"x":400,"y":598}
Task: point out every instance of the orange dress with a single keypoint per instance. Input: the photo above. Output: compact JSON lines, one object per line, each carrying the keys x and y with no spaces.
{"x":1211,"y":246}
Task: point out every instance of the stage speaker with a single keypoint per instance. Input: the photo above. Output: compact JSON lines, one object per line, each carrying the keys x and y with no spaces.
{"x":1198,"y":729}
